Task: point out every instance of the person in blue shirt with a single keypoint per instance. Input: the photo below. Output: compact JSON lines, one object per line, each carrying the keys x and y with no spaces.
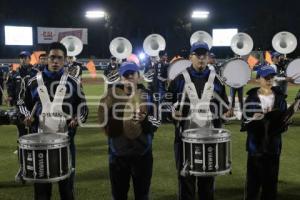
{"x":263,"y":140}
{"x":199,"y":73}
{"x":129,"y":137}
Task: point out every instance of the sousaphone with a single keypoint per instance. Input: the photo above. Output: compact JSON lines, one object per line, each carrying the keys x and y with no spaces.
{"x":285,"y":43}
{"x":73,"y":45}
{"x":153,"y":44}
{"x":201,"y":36}
{"x":241,"y":44}
{"x":120,"y":48}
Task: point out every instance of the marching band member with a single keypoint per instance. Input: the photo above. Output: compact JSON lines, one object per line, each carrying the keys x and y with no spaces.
{"x":279,"y":65}
{"x":16,"y":86}
{"x":74,"y":68}
{"x":42,"y":62}
{"x":17,"y":83}
{"x":149,"y":67}
{"x":111,"y":72}
{"x":263,"y":147}
{"x":9,"y":83}
{"x":130,"y":140}
{"x":113,"y":66}
{"x":204,"y":83}
{"x":158,"y":86}
{"x":63,"y":103}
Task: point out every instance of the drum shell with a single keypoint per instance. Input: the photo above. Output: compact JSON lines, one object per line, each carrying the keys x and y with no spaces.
{"x":208,"y":155}
{"x":45,"y":162}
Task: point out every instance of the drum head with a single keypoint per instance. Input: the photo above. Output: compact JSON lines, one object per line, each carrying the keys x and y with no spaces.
{"x":293,"y":70}
{"x":43,"y":138}
{"x":205,"y":133}
{"x":237,"y":73}
{"x":177,"y":67}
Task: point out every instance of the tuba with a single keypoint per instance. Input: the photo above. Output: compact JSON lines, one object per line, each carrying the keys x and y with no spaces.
{"x":120,"y":48}
{"x":284,"y":42}
{"x":241,"y":44}
{"x":201,"y":36}
{"x":74,"y":47}
{"x":152,"y":45}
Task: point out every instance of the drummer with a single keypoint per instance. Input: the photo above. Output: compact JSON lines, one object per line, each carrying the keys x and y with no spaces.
{"x":200,"y":75}
{"x":263,"y":152}
{"x":55,"y":116}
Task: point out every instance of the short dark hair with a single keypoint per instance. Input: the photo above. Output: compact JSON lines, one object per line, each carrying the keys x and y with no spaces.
{"x":58,"y":45}
{"x":42,"y":55}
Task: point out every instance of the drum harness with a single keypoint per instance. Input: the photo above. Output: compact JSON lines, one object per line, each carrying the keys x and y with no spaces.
{"x":199,"y":108}
{"x":48,"y":122}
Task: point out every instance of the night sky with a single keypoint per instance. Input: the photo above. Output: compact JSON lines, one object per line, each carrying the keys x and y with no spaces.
{"x":135,"y":19}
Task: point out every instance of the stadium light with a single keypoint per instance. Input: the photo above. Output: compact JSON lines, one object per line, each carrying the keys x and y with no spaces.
{"x":200,"y":14}
{"x":95,"y":14}
{"x":142,"y":56}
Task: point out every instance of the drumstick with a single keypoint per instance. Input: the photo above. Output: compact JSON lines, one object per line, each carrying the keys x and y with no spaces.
{"x":181,"y":106}
{"x":296,"y":76}
{"x":33,"y":110}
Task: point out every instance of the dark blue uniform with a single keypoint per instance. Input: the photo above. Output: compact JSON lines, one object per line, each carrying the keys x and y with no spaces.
{"x":16,"y":86}
{"x":263,"y":146}
{"x":130,"y":158}
{"x":187,"y":185}
{"x":158,"y":86}
{"x":73,"y":99}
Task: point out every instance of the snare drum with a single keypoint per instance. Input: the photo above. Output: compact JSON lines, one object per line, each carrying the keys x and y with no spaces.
{"x":236,"y":73}
{"x":206,"y":152}
{"x":45,"y":158}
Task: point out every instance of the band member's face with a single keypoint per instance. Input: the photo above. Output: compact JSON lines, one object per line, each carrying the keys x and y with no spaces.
{"x":199,"y":61}
{"x":56,"y":60}
{"x":275,"y":60}
{"x":130,"y":77}
{"x":24,"y":60}
{"x":266,"y":82}
{"x":43,"y":60}
{"x":164,"y":58}
{"x":211,"y":60}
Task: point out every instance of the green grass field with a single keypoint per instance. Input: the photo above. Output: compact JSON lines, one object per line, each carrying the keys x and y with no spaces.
{"x":92,"y":181}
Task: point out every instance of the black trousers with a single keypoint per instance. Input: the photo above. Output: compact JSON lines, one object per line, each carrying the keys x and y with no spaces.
{"x":187,"y":186}
{"x":22,"y":130}
{"x":233,"y":91}
{"x":43,"y":191}
{"x":262,"y":174}
{"x":139,"y":168}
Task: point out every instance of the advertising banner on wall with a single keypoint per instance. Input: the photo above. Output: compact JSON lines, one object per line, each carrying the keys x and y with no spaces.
{"x":48,"y":35}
